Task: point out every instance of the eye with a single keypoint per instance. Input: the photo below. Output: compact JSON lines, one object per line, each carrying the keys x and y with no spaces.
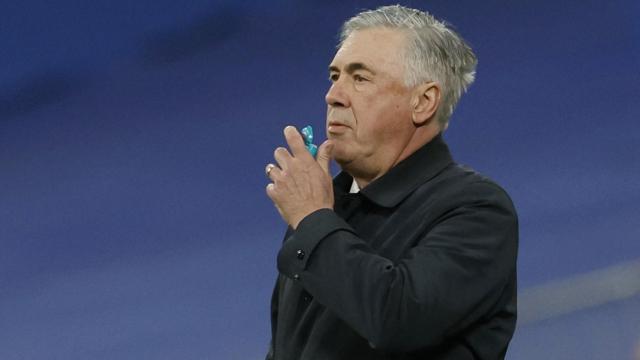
{"x":358,"y":78}
{"x":333,"y":77}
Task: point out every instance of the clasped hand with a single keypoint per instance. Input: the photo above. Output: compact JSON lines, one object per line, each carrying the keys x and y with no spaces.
{"x":300,"y":184}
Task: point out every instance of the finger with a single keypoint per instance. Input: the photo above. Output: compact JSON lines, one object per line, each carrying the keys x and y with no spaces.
{"x":272,"y":172}
{"x":268,"y":169}
{"x":271,"y":193}
{"x":296,"y":143}
{"x":324,"y":155}
{"x":283,"y":157}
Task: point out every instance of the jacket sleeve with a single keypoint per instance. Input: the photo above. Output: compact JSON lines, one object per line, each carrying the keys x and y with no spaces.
{"x":449,"y":280}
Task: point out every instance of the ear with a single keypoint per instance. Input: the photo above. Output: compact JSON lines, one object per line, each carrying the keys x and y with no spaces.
{"x":425,"y":102}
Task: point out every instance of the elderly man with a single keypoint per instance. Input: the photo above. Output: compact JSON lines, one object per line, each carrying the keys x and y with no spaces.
{"x":405,"y":254}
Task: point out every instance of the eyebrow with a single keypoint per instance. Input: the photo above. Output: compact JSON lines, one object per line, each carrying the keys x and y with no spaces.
{"x":352,"y":67}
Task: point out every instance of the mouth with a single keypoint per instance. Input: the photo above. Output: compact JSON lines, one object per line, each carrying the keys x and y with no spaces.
{"x":337,"y":127}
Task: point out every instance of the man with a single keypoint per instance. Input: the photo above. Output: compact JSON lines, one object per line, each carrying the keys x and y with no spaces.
{"x":405,"y":254}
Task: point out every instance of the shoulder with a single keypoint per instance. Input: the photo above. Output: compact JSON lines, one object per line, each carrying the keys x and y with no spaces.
{"x":460,"y":185}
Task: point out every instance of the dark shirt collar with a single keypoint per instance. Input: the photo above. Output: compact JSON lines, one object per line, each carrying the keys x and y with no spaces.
{"x":402,"y":179}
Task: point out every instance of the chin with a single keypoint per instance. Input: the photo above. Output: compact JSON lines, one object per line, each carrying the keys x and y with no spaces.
{"x":342,"y":158}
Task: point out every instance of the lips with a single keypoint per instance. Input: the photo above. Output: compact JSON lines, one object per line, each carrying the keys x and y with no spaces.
{"x":337,"y":123}
{"x":336,"y":127}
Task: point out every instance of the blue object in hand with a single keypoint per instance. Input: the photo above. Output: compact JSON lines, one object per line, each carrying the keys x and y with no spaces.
{"x":307,"y":135}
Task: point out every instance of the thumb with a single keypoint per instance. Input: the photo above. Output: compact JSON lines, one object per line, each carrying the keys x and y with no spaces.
{"x":324,"y":155}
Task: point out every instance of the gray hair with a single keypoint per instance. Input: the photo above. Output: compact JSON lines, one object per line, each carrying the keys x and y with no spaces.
{"x":435,"y":52}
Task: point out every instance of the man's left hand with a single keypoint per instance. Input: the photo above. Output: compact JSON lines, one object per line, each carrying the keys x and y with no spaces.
{"x":300,"y":184}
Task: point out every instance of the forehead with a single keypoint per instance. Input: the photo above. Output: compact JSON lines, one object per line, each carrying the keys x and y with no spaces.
{"x":378,"y":48}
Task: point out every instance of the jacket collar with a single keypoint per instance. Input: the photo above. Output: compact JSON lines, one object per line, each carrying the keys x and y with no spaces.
{"x":401,"y":180}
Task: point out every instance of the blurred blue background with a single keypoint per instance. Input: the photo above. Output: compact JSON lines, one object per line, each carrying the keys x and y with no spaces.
{"x":134,"y":135}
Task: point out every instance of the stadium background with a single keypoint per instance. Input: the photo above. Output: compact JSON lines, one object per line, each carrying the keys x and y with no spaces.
{"x":134,"y":134}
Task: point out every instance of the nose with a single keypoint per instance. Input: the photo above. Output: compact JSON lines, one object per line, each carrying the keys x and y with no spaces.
{"x":336,"y":95}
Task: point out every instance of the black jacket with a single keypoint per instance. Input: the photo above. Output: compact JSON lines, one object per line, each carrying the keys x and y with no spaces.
{"x":420,"y":264}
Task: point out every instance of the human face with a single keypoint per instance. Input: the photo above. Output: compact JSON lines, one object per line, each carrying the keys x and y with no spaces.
{"x":368,"y":105}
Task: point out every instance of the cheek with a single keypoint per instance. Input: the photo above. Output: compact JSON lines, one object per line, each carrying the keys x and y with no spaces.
{"x":385,"y":124}
{"x":379,"y":114}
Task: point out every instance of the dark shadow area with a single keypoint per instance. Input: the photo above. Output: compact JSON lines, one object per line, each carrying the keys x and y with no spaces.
{"x":40,"y":90}
{"x":207,"y":32}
